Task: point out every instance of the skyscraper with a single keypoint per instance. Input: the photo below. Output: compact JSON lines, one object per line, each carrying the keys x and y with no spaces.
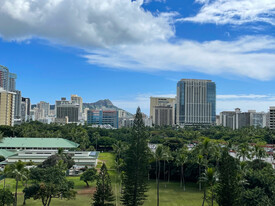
{"x":77,"y":100}
{"x":7,"y":79}
{"x":69,"y":111}
{"x":196,"y":102}
{"x":6,"y":107}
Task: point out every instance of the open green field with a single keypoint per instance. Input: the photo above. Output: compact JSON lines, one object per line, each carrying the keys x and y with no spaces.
{"x":172,"y":195}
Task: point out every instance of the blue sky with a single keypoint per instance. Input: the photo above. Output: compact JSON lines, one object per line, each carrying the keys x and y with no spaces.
{"x":127,"y":51}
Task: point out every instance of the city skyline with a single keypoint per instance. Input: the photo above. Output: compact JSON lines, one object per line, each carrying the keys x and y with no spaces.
{"x":236,"y":53}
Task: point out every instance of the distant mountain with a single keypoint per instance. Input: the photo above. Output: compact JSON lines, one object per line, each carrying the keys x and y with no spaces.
{"x":105,"y":104}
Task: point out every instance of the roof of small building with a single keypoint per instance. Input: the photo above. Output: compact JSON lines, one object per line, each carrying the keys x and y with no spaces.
{"x":35,"y":142}
{"x":6,"y":153}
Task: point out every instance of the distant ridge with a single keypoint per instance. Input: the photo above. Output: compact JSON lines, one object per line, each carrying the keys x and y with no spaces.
{"x":105,"y":104}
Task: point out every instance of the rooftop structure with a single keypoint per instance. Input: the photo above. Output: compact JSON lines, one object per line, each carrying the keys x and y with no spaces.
{"x":21,"y":143}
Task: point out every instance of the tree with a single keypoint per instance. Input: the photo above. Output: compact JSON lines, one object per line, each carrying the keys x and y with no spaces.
{"x":243,"y":151}
{"x":18,"y":172}
{"x":6,"y":197}
{"x":51,"y":183}
{"x":159,"y":155}
{"x":209,"y":180}
{"x":96,"y":136}
{"x":181,"y":159}
{"x":227,"y":190}
{"x":135,"y":181}
{"x":54,"y":160}
{"x":103,"y":195}
{"x":88,"y":176}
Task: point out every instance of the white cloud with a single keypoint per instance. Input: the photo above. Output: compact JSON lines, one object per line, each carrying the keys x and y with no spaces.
{"x":248,"y":56}
{"x":245,"y":101}
{"x":234,"y":12}
{"x":85,"y":23}
{"x":242,"y":96}
{"x":121,"y":34}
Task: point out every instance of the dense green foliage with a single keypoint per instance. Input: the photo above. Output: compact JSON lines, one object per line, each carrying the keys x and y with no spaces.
{"x":135,"y":180}
{"x":6,"y":197}
{"x":103,"y":139}
{"x":88,"y":176}
{"x":103,"y":195}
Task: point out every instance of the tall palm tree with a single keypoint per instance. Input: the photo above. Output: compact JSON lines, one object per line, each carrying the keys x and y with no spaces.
{"x":118,"y":147}
{"x":258,"y":151}
{"x":17,"y":171}
{"x":96,"y":136}
{"x":181,"y":159}
{"x":159,"y":155}
{"x":209,"y":180}
{"x":243,"y":151}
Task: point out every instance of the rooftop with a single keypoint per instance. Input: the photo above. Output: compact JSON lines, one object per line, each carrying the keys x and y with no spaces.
{"x":36,"y":142}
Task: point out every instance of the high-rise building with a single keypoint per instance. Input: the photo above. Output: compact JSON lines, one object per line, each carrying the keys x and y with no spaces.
{"x":6,"y":107}
{"x":4,"y":77}
{"x":17,"y":104}
{"x":163,"y":115}
{"x":69,"y":111}
{"x":237,"y":119}
{"x":271,"y":118}
{"x":44,"y":109}
{"x":162,"y":110}
{"x":7,"y":79}
{"x":100,"y":117}
{"x":77,"y":100}
{"x":196,"y":102}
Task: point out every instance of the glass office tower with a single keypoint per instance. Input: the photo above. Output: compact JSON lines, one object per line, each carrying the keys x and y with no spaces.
{"x":196,"y":102}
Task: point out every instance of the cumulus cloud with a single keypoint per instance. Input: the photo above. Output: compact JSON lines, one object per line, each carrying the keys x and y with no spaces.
{"x":248,"y":56}
{"x":121,"y":34}
{"x":85,"y":23}
{"x":234,"y":12}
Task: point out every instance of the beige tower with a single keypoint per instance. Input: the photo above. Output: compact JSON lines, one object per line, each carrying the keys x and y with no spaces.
{"x":77,"y":100}
{"x":6,"y":107}
{"x":162,"y":110}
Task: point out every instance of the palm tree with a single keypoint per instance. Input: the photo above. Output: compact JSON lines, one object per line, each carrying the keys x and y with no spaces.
{"x":18,"y":171}
{"x":209,"y":179}
{"x":181,"y":159}
{"x":243,"y":151}
{"x":259,"y":152}
{"x":96,"y":136}
{"x":159,"y":155}
{"x":118,"y":147}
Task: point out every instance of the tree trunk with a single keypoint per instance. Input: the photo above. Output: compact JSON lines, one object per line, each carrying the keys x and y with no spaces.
{"x":204,"y":196}
{"x":15,"y":194}
{"x":24,"y":202}
{"x":87,"y":183}
{"x":49,"y":202}
{"x":169,"y":171}
{"x":164,"y":173}
{"x":158,"y":185}
{"x":181,"y":171}
{"x":199,"y":177}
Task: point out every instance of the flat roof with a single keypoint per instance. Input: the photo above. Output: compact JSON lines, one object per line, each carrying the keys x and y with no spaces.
{"x":37,"y":142}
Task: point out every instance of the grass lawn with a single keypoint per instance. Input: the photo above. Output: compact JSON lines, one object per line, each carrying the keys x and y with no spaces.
{"x":172,"y":195}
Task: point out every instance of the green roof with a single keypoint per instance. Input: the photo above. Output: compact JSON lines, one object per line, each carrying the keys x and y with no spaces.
{"x":6,"y":153}
{"x":35,"y":142}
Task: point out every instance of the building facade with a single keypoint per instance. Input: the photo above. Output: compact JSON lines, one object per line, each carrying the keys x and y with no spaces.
{"x":271,"y":118}
{"x":196,"y":102}
{"x":7,"y":100}
{"x":68,"y":110}
{"x":77,"y":100}
{"x":102,"y":117}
